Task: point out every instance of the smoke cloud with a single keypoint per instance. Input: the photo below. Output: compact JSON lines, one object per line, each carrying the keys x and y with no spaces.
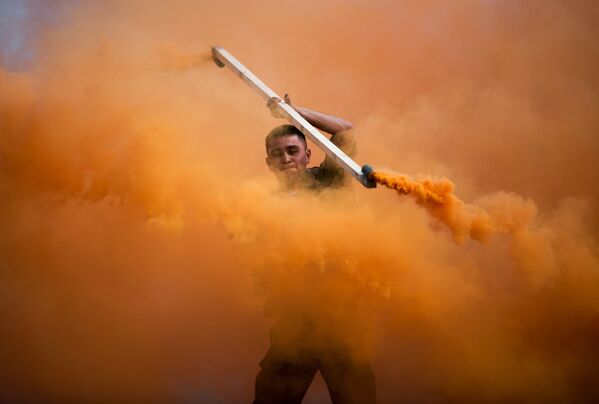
{"x":143,"y":238}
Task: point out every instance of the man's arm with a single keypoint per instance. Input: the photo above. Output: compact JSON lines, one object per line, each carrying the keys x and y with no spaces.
{"x":328,"y":173}
{"x":325,"y":122}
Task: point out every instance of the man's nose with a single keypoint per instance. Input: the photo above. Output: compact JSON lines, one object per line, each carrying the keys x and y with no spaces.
{"x":286,"y":157}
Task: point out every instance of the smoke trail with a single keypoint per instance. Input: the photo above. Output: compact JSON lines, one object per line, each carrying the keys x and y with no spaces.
{"x":438,"y":198}
{"x":173,"y":58}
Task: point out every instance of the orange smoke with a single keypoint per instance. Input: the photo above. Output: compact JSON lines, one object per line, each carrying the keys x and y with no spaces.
{"x":437,"y":197}
{"x":173,"y":58}
{"x":141,"y":237}
{"x":425,"y":192}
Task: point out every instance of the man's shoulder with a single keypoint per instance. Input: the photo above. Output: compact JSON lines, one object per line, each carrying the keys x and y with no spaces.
{"x":329,"y":174}
{"x":326,"y":176}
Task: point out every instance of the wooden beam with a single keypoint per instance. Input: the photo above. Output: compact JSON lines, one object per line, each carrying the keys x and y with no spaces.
{"x":223,"y":58}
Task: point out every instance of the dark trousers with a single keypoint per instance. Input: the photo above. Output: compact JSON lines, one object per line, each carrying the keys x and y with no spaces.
{"x":285,"y":378}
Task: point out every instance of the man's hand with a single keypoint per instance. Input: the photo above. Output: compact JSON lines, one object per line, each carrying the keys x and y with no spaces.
{"x":272,"y":105}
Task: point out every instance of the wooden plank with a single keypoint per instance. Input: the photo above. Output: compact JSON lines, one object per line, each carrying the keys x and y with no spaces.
{"x":224,"y":58}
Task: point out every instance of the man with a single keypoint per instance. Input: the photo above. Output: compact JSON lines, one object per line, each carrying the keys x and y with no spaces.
{"x":301,"y":343}
{"x":288,"y":155}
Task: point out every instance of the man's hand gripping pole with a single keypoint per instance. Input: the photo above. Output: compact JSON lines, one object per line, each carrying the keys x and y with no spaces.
{"x":223,"y":58}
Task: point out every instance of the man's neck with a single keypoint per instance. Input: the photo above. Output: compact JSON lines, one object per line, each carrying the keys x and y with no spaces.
{"x":298,"y":182}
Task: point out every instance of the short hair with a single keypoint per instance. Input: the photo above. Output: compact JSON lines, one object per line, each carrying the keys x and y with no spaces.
{"x":284,"y":130}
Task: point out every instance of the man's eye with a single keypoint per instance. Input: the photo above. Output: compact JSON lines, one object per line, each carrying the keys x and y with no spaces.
{"x":292,"y":150}
{"x":276,"y":153}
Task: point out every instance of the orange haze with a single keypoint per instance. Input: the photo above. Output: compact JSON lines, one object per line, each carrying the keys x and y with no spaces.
{"x":437,"y":197}
{"x":141,"y":237}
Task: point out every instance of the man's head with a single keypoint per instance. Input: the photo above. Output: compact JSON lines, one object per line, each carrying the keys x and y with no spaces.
{"x":287,"y":154}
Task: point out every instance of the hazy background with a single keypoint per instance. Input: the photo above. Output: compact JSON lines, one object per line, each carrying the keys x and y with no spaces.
{"x":135,"y":210}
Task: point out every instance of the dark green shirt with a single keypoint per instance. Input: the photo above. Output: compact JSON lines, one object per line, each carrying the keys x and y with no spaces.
{"x":329,"y":174}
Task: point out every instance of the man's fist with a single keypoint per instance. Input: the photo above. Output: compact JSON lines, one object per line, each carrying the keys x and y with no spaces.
{"x":272,"y":105}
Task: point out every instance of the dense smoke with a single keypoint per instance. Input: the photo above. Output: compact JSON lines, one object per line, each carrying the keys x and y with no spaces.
{"x":142,"y":238}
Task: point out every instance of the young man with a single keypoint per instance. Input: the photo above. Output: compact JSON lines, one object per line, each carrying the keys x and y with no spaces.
{"x":302,"y":344}
{"x":288,"y":155}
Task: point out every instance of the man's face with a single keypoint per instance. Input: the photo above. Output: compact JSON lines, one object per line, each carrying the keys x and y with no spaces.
{"x":287,"y":157}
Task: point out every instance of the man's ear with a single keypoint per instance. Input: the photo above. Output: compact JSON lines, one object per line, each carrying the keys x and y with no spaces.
{"x":308,"y":154}
{"x":268,"y":163}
